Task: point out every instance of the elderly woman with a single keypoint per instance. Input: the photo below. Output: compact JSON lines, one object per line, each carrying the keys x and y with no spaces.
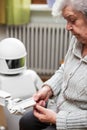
{"x":69,"y":83}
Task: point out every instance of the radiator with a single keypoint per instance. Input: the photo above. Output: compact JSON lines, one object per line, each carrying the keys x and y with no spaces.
{"x":46,"y":45}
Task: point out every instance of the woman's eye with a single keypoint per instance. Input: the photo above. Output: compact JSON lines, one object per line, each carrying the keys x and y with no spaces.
{"x":73,"y":21}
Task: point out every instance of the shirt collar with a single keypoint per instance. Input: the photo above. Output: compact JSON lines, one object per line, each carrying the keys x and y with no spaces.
{"x":77,"y":49}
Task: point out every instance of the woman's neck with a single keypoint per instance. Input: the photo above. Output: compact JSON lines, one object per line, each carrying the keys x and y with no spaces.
{"x":84,"y":50}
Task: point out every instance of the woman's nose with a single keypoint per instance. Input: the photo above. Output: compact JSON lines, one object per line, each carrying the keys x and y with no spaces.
{"x":69,"y":26}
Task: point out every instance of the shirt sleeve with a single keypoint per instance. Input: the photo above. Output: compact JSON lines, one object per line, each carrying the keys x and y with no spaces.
{"x":56,"y":80}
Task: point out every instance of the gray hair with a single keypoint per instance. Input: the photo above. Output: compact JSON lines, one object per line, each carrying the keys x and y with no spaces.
{"x":79,"y":5}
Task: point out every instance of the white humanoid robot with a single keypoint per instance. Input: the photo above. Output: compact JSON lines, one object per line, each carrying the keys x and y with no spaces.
{"x":15,"y":78}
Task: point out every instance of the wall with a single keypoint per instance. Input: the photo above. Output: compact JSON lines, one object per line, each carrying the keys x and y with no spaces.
{"x":42,"y":13}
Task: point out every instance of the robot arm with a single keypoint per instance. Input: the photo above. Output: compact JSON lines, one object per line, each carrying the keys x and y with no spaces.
{"x":20,"y":106}
{"x":15,"y":106}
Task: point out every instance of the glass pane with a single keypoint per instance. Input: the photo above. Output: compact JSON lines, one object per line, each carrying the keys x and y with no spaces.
{"x":17,"y":63}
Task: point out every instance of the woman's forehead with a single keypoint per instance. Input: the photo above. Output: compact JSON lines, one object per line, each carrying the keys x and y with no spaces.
{"x":69,"y":11}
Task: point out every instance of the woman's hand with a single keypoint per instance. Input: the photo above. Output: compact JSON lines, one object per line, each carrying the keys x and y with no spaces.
{"x":44,"y":114}
{"x":42,"y":95}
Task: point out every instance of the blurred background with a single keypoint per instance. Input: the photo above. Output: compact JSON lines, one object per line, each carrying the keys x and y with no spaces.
{"x":45,"y":38}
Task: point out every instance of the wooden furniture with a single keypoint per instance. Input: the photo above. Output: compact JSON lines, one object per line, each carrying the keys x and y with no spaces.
{"x":38,"y":1}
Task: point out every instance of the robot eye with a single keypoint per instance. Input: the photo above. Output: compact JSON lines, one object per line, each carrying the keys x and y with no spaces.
{"x":17,"y":63}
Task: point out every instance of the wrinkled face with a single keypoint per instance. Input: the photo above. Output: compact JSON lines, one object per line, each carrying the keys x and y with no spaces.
{"x":76,"y":23}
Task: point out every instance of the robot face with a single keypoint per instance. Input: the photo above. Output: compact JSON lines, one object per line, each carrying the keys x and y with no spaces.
{"x":16,"y":63}
{"x":11,"y":62}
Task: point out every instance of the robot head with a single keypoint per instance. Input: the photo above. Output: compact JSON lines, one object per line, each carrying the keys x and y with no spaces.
{"x":12,"y":56}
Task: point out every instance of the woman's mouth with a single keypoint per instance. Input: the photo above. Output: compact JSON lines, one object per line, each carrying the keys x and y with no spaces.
{"x":76,"y":35}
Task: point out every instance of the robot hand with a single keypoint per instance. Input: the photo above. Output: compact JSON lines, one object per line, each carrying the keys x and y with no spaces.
{"x":15,"y":106}
{"x":20,"y":106}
